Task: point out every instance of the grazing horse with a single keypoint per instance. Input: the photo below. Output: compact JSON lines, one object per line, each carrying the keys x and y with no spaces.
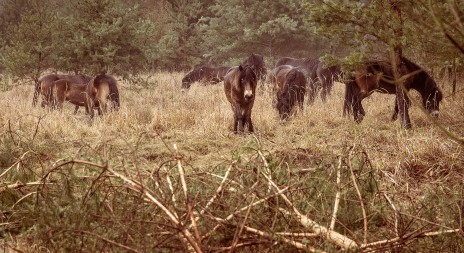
{"x":205,"y":74}
{"x":309,"y":67}
{"x":240,"y":85}
{"x":68,"y":90}
{"x":45,"y":86}
{"x":289,"y":88}
{"x":98,"y":92}
{"x":378,"y":76}
{"x":256,"y":63}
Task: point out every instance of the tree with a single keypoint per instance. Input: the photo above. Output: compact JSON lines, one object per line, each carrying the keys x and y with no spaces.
{"x":238,"y":28}
{"x":102,"y":36}
{"x":26,"y":46}
{"x":374,"y":29}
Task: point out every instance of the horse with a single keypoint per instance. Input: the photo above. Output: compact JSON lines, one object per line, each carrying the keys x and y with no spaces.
{"x":239,"y":86}
{"x":45,"y":86}
{"x":378,"y":76}
{"x":309,"y":67}
{"x":289,"y":88}
{"x":256,"y":63}
{"x":205,"y":74}
{"x":98,"y":92}
{"x":68,"y":90}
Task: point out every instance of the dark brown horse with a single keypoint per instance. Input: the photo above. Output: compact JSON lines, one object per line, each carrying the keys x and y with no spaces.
{"x":256,"y":63}
{"x":378,"y":76}
{"x":204,"y":74}
{"x":309,"y":67}
{"x":289,"y":88}
{"x":240,"y":85}
{"x":100,"y":91}
{"x":45,"y":85}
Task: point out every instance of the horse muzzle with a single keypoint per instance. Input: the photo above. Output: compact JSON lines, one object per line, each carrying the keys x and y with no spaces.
{"x":248,"y":95}
{"x":435,"y":113}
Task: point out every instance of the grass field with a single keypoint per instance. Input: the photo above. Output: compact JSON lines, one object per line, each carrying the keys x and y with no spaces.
{"x":93,"y":184}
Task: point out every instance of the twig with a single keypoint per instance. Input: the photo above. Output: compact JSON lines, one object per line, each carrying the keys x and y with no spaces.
{"x":308,"y":235}
{"x":361,"y":201}
{"x":395,"y":212}
{"x":11,"y":133}
{"x":295,"y":244}
{"x":186,"y":195}
{"x":186,"y":233}
{"x":242,"y":225}
{"x":232,"y":215}
{"x":105,"y":239}
{"x":397,"y":239}
{"x":15,"y":163}
{"x":332,"y":236}
{"x":337,"y":196}
{"x":20,"y":185}
{"x":23,"y":197}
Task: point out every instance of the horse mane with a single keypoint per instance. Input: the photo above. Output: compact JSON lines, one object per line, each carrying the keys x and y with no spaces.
{"x":422,"y":77}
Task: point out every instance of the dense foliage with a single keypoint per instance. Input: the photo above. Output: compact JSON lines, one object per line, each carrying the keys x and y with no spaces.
{"x":129,"y":37}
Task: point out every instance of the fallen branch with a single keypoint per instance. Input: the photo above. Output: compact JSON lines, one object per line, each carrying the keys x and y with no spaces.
{"x":361,"y":201}
{"x":337,"y":196}
{"x":332,"y":236}
{"x":373,"y":245}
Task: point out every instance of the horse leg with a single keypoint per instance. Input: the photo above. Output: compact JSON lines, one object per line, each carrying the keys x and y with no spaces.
{"x":395,"y":111}
{"x":358,"y":110}
{"x":324,"y":88}
{"x":312,"y":91}
{"x":249,"y":123}
{"x":76,"y":108}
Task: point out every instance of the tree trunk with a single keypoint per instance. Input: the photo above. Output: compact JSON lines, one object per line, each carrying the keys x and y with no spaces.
{"x":398,"y":67}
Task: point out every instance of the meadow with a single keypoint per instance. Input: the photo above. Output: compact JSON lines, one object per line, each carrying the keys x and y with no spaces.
{"x":167,"y":174}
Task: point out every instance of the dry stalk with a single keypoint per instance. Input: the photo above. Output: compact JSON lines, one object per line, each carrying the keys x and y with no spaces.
{"x":337,"y":195}
{"x":361,"y":201}
{"x":186,"y":195}
{"x":395,"y":212}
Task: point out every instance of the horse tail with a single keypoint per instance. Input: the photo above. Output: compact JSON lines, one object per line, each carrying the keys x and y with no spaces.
{"x":350,"y":91}
{"x":36,"y":92}
{"x":51,"y":95}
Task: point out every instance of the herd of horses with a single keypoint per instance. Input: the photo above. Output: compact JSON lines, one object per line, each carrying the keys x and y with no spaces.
{"x":81,"y":90}
{"x":292,"y":80}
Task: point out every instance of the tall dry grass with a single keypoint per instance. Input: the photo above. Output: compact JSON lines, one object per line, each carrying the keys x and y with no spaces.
{"x":158,"y":123}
